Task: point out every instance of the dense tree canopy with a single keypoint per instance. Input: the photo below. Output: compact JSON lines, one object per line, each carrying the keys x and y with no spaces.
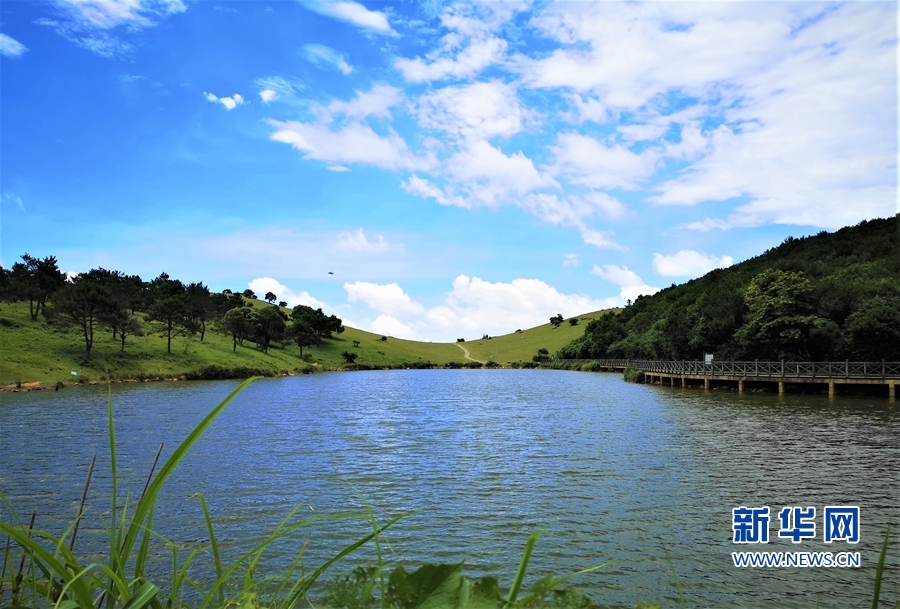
{"x":832,"y":296}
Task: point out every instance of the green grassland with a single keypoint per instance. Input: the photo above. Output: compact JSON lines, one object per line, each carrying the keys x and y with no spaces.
{"x":521,"y":346}
{"x":37,"y":355}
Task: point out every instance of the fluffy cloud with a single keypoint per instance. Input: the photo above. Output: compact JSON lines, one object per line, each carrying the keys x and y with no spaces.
{"x":358,"y":242}
{"x":688,"y":263}
{"x":376,"y":102}
{"x":791,"y":108}
{"x":589,"y":162}
{"x":263,"y":285}
{"x":630,"y":283}
{"x":320,"y":54}
{"x":279,"y":88}
{"x":469,"y":47}
{"x":106,"y":14}
{"x":10,"y":47}
{"x":351,"y":12}
{"x":230,"y":103}
{"x":89,"y":23}
{"x":473,"y":306}
{"x":480,"y":110}
{"x":389,"y":299}
{"x":571,"y":260}
{"x":391,"y":326}
{"x":353,"y":143}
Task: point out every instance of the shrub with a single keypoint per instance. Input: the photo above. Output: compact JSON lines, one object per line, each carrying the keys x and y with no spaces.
{"x":633,"y":375}
{"x":349,"y":357}
{"x":592,"y":366}
{"x":491,"y":364}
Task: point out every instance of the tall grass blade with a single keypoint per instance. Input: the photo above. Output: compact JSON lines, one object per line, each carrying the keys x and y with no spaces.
{"x":113,"y":467}
{"x":523,"y":567}
{"x":215,"y":548}
{"x":87,"y":485}
{"x":553,"y":583}
{"x":143,"y":596}
{"x":24,"y":554}
{"x":301,"y":592}
{"x":48,"y":563}
{"x":143,"y":507}
{"x":879,"y":571}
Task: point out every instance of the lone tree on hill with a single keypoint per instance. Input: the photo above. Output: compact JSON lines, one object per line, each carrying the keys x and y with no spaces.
{"x":557,"y":320}
{"x":168,"y":304}
{"x":271,"y":297}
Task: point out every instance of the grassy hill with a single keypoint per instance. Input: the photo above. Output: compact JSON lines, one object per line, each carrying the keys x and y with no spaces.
{"x":35,"y":354}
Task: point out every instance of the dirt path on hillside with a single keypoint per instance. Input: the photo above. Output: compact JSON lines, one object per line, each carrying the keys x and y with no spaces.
{"x":466,"y":354}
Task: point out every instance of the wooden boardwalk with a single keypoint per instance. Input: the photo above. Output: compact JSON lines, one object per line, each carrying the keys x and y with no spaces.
{"x":763,"y":375}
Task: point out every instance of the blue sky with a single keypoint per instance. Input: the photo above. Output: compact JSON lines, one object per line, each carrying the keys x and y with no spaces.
{"x":460,"y":168}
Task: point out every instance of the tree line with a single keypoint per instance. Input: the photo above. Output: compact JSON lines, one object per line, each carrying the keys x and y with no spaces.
{"x":107,"y":299}
{"x":828,"y":297}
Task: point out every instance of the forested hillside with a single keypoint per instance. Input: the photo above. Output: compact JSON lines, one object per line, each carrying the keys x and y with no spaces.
{"x":832,"y":296}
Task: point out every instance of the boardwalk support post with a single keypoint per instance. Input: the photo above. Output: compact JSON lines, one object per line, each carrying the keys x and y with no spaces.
{"x":831,"y":389}
{"x":740,"y":386}
{"x":781,"y":387}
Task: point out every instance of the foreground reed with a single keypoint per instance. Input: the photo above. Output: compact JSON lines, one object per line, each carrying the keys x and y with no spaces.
{"x":42,"y":571}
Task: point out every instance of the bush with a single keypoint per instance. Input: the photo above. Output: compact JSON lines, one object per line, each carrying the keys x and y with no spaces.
{"x":383,"y":338}
{"x":491,"y":364}
{"x":573,"y":321}
{"x":472,"y":365}
{"x":633,"y":375}
{"x":349,"y":357}
{"x":592,"y":366}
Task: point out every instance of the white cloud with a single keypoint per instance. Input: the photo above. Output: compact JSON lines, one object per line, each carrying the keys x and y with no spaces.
{"x":474,"y":306}
{"x":571,"y":260}
{"x":470,"y":45}
{"x":279,"y":88}
{"x":352,"y":12}
{"x":480,"y":110}
{"x":337,"y":168}
{"x":376,"y":102}
{"x":88,"y":23}
{"x":358,"y":242}
{"x":320,"y":54}
{"x":586,"y":161}
{"x":14,"y":198}
{"x":387,"y":325}
{"x":425,"y":189}
{"x":353,"y":143}
{"x":790,"y":107}
{"x":230,"y":103}
{"x":263,"y":285}
{"x":10,"y":47}
{"x":471,"y":60}
{"x":389,"y":299}
{"x":500,"y":308}
{"x":630,"y":283}
{"x":688,"y":263}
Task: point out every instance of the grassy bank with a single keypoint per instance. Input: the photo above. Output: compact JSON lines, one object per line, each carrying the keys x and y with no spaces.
{"x":35,"y":354}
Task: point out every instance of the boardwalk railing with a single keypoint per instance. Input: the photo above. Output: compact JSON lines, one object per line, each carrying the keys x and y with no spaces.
{"x":806,"y":370}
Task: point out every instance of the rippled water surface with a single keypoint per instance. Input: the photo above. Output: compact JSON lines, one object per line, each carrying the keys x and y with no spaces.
{"x":645,"y":476}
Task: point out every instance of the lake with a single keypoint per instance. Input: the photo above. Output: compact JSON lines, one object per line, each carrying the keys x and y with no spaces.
{"x":644,"y":476}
